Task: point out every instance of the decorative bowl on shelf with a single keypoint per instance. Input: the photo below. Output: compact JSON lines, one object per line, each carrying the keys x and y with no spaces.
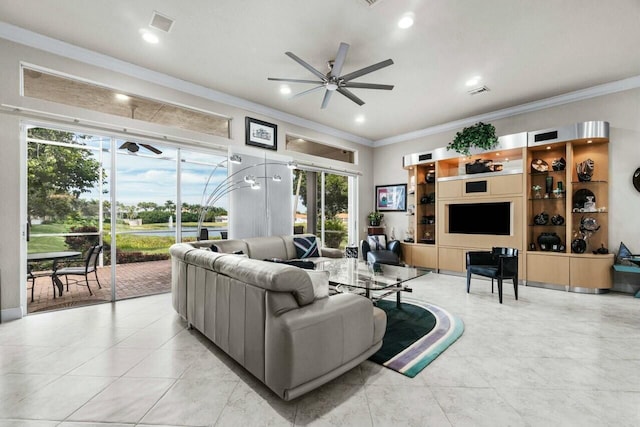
{"x":539,"y":165}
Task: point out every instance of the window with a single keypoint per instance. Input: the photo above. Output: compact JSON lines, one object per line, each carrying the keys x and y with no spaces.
{"x":303,"y":145}
{"x":77,"y":93}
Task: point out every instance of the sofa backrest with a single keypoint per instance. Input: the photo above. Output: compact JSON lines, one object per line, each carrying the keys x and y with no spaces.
{"x":266,"y":247}
{"x":266,"y":275}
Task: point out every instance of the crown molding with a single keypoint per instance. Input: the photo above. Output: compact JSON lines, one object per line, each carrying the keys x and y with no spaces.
{"x":67,"y":50}
{"x":567,"y":98}
{"x":48,"y":44}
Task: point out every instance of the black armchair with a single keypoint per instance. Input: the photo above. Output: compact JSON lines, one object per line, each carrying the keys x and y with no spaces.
{"x":376,"y":249}
{"x":499,"y":263}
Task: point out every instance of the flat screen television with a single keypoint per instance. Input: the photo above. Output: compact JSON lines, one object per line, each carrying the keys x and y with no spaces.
{"x":480,"y":218}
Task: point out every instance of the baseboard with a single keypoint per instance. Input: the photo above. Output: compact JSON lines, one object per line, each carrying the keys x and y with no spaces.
{"x":9,"y":314}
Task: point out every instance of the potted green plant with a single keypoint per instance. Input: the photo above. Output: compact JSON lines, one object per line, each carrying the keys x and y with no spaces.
{"x":481,"y":135}
{"x":374,"y":218}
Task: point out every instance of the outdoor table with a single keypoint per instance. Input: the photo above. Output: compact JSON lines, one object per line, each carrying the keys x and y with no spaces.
{"x":55,"y":257}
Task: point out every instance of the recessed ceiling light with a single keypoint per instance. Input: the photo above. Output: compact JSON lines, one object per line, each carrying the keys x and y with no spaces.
{"x":122,"y":97}
{"x":149,"y":37}
{"x":589,"y":141}
{"x":548,"y":148}
{"x":473,"y":81}
{"x":285,"y":90}
{"x":406,"y":21}
{"x":360,"y":119}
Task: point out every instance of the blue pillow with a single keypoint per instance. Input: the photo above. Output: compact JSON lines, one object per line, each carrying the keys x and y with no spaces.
{"x":306,"y":247}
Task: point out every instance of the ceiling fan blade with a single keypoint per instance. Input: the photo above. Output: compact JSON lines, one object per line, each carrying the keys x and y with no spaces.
{"x":295,"y":80}
{"x":125,"y":146}
{"x":151,"y":148}
{"x":313,"y":89}
{"x":350,"y":95}
{"x":366,"y":70}
{"x":339,"y":61}
{"x":325,"y":100}
{"x":305,"y":65}
{"x":367,"y":86}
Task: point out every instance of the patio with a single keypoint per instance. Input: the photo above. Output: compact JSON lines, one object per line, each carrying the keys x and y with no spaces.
{"x":133,"y":280}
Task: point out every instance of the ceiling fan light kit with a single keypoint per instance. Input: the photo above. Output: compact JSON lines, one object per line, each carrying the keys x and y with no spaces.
{"x":332,"y":81}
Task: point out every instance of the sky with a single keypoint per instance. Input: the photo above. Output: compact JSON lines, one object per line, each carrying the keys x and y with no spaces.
{"x":145,"y":177}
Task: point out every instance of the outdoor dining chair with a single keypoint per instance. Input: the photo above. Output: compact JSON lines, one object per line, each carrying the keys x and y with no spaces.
{"x":90,"y":266}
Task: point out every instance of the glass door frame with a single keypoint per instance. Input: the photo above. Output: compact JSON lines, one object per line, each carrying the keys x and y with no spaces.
{"x":113,"y":137}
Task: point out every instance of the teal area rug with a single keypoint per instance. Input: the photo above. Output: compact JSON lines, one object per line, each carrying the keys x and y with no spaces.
{"x":417,"y":333}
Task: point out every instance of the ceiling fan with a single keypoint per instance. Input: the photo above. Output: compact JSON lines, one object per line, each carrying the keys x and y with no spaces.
{"x":133,"y":147}
{"x":332,"y":81}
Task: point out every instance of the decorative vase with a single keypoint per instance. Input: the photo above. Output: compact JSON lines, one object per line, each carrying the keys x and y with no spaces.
{"x":548,"y":184}
{"x":374,"y":222}
{"x":590,"y":205}
{"x":578,"y":246}
{"x":558,"y":164}
{"x":547,"y":241}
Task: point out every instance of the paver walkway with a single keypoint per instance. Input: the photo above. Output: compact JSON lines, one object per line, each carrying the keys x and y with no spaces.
{"x":132,"y":280}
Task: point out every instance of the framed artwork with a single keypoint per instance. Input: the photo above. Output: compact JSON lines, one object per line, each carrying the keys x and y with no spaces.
{"x":260,"y":134}
{"x":391,"y":197}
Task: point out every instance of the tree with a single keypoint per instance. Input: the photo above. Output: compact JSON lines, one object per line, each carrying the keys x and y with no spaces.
{"x":147,"y":206}
{"x":57,"y":176}
{"x":169,"y":206}
{"x":336,"y":194}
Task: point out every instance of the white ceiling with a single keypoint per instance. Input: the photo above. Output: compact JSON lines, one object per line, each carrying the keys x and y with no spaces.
{"x":525,"y":50}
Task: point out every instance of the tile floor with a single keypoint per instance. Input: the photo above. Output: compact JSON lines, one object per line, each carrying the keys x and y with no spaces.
{"x":549,"y":359}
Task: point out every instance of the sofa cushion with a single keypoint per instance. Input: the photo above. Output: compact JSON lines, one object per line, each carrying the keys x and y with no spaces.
{"x":265,"y":247}
{"x":320,"y":282}
{"x":229,"y":246}
{"x":306,"y":247}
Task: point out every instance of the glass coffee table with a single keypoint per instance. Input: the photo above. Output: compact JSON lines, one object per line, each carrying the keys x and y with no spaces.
{"x":375,"y":281}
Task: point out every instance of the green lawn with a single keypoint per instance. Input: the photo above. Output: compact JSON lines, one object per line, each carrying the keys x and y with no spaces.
{"x":126,"y":242}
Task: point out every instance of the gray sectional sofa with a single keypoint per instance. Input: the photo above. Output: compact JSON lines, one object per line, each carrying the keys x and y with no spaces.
{"x":266,"y":317}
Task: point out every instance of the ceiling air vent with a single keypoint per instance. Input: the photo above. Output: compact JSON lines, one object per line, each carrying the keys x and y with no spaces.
{"x":161,"y":22}
{"x":478,"y":90}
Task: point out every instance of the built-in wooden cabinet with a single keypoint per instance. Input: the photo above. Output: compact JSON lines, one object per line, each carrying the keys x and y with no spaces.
{"x":567,"y":214}
{"x":543,"y":201}
{"x":419,"y":248}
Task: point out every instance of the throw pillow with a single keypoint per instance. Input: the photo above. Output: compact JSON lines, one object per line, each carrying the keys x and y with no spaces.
{"x":320,"y":282}
{"x":306,"y":247}
{"x":623,"y":254}
{"x":377,"y":242}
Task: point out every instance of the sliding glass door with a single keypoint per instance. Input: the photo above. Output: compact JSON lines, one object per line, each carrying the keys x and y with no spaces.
{"x":322,"y":205}
{"x":67,"y":186}
{"x":134,"y":198}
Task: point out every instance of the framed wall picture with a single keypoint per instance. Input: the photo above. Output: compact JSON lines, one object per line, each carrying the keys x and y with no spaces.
{"x":260,"y":134}
{"x":391,"y":197}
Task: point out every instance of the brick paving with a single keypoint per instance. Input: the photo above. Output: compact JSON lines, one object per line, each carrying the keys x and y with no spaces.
{"x":132,"y":280}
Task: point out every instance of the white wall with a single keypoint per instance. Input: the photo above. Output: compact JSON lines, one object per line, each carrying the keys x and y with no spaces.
{"x":621,"y":110}
{"x":12,"y":160}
